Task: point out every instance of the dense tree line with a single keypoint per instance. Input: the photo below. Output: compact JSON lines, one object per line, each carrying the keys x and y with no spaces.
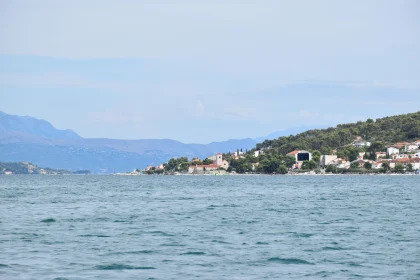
{"x":386,"y":130}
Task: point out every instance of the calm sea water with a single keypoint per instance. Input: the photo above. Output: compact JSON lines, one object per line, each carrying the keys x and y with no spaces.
{"x":221,"y":227}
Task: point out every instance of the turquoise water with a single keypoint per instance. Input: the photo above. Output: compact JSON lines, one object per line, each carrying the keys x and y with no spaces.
{"x":221,"y":227}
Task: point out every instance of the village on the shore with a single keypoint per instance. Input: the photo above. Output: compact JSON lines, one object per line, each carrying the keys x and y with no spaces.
{"x":402,"y":158}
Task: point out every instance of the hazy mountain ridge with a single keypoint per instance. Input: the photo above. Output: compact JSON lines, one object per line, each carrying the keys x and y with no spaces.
{"x":37,"y":141}
{"x":37,"y":127}
{"x":30,"y":139}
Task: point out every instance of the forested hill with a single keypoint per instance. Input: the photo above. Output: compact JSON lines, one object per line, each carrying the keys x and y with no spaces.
{"x":387,"y":130}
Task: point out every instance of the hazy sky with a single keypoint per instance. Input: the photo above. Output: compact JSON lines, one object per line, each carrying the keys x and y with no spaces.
{"x":200,"y":71}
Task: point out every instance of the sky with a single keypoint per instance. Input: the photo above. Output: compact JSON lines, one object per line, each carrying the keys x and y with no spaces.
{"x":203,"y":71}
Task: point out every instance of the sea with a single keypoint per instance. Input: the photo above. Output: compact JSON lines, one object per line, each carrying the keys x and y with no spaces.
{"x":209,"y":227}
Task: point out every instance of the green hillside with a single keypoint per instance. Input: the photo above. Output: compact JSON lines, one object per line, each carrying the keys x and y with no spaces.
{"x":386,"y":130}
{"x":336,"y":140}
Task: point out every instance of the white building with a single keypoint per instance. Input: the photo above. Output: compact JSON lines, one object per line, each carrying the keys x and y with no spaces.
{"x":237,"y":154}
{"x":411,"y":147}
{"x":213,"y":157}
{"x":148,"y":168}
{"x":361,"y":143}
{"x":224,"y":164}
{"x":415,"y":162}
{"x":393,"y":151}
{"x":219,"y":159}
{"x":327,"y":159}
{"x":300,"y":157}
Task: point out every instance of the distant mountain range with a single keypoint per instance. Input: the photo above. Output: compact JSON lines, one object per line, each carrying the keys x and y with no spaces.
{"x":33,"y":140}
{"x":32,"y":126}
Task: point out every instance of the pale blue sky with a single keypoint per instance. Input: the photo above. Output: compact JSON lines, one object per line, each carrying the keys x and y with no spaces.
{"x":201,"y":71}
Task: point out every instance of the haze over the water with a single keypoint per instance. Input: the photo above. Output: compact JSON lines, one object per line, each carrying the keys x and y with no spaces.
{"x":200,"y":71}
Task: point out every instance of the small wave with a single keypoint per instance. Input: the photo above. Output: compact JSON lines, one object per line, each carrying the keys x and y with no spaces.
{"x":161,"y":233}
{"x":354,"y":264}
{"x":322,"y":274}
{"x":95,"y":235}
{"x":303,"y":235}
{"x":121,"y":267}
{"x":332,"y":249}
{"x":288,"y":261}
{"x":3,"y":265}
{"x":220,"y":242}
{"x":172,"y":245}
{"x":133,"y":252}
{"x":50,"y":220}
{"x":60,"y":278}
{"x":262,"y":243}
{"x":194,"y":253}
{"x":273,"y":210}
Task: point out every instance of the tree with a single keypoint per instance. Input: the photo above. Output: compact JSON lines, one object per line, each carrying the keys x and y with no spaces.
{"x":331,"y":169}
{"x":171,"y":165}
{"x":385,"y":166}
{"x":316,"y":156}
{"x":409,"y":167}
{"x":367,"y":128}
{"x":399,"y":168}
{"x":367,"y":165}
{"x":289,"y":161}
{"x":207,"y":161}
{"x":282,"y":169}
{"x":183,"y":166}
{"x":243,"y":166}
{"x":325,"y":150}
{"x":353,"y":154}
{"x":354,"y":165}
{"x":308,"y":164}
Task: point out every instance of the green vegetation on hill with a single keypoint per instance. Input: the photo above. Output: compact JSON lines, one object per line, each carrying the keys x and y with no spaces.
{"x":337,"y":140}
{"x":387,"y":130}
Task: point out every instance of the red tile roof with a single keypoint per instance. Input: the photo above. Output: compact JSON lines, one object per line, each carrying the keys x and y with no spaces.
{"x":293,"y":153}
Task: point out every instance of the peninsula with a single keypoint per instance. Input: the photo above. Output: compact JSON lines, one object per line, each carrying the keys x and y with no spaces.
{"x":385,"y":145}
{"x":9,"y":168}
